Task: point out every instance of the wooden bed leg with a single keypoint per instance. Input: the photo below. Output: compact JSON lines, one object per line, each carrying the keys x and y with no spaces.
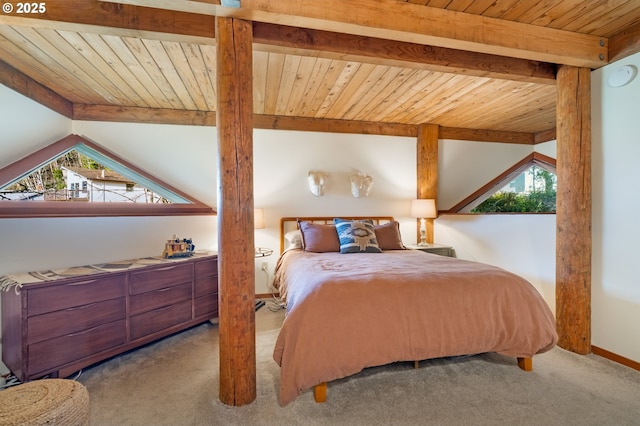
{"x":320,"y":392}
{"x":525,"y":363}
{"x":416,"y":364}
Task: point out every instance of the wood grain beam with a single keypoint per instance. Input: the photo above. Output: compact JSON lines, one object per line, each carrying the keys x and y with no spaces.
{"x":277,"y":38}
{"x":573,"y":210}
{"x":33,"y":90}
{"x":625,"y":43}
{"x":413,"y":23}
{"x":484,"y":135}
{"x":427,"y":171}
{"x":348,"y":47}
{"x":124,"y":16}
{"x":305,"y":124}
{"x":333,"y":126}
{"x":125,"y":114}
{"x":544,"y":136}
{"x":236,"y":272}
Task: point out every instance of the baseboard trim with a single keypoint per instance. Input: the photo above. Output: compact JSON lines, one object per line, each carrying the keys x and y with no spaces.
{"x":615,"y":357}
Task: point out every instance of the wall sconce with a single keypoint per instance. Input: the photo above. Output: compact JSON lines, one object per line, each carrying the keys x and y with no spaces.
{"x":360,"y":184}
{"x":423,"y":209}
{"x":258,"y":219}
{"x":317,"y":181}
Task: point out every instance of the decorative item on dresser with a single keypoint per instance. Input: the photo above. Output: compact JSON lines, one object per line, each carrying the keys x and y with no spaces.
{"x":55,"y":323}
{"x":434,"y":248}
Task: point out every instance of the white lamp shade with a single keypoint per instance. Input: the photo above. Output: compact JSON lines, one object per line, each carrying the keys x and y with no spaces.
{"x":258,"y":218}
{"x":424,"y":208}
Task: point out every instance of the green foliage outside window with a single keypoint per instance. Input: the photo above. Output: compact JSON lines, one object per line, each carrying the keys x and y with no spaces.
{"x":541,"y":198}
{"x":510,"y":202}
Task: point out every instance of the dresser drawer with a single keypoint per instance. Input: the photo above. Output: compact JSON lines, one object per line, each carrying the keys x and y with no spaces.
{"x":206,"y":306}
{"x":159,"y":298}
{"x":142,"y":282}
{"x":52,"y":353}
{"x":205,"y":285}
{"x":71,"y":320}
{"x":80,"y":292}
{"x":159,"y":319}
{"x":206,"y":268}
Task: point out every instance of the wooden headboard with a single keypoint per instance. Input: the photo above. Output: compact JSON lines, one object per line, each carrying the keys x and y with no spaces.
{"x":290,"y":223}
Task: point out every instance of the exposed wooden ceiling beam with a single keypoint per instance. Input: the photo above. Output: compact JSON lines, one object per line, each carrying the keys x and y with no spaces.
{"x":625,"y":43}
{"x":309,"y":42}
{"x":393,"y":20}
{"x":484,"y":135}
{"x":545,"y":136}
{"x":333,"y":126}
{"x":123,"y":19}
{"x":33,"y":90}
{"x":120,"y":20}
{"x":208,"y":118}
{"x":143,"y":115}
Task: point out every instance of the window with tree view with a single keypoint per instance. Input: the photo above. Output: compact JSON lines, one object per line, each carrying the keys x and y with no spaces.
{"x":532,"y":191}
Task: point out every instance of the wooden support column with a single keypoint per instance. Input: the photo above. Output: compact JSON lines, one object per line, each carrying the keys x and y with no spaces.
{"x":573,"y":210}
{"x":427,"y":169}
{"x":236,"y":273}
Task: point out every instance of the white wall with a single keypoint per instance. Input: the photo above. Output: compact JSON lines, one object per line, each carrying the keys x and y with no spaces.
{"x":183,"y":156}
{"x":26,"y":126}
{"x":616,"y":202}
{"x":464,"y":167}
{"x":523,"y":244}
{"x":282,"y":160}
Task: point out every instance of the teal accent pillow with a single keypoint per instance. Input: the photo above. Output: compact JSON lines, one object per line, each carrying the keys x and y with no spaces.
{"x":356,"y":236}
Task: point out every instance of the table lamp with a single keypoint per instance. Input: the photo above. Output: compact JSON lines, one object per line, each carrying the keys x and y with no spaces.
{"x":423,"y":209}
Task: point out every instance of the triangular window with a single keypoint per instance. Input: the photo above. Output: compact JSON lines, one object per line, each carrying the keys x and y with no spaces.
{"x":75,"y":177}
{"x":527,"y":187}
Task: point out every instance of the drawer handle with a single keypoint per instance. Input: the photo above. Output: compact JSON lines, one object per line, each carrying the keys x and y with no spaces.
{"x":165,"y":308}
{"x":80,"y":333}
{"x":83,"y":282}
{"x":168,"y":268}
{"x":162,"y":290}
{"x":79,"y":308}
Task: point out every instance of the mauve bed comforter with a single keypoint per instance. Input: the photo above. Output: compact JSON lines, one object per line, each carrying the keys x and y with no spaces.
{"x":346,"y":312}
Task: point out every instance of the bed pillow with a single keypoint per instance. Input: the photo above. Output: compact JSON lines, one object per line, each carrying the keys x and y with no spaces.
{"x":294,"y":238}
{"x":388,"y":236}
{"x":356,"y":236}
{"x":319,"y":238}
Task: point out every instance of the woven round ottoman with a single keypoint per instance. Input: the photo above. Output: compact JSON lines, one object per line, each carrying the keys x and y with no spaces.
{"x":59,"y":402}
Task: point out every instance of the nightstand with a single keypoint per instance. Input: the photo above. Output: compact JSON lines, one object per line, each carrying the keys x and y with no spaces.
{"x":435,"y":249}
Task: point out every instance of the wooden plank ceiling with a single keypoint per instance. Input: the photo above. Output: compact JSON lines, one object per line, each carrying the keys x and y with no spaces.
{"x":121,"y":62}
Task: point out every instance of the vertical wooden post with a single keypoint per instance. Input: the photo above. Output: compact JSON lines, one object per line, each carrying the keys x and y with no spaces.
{"x":573,"y":210}
{"x":427,"y":169}
{"x":236,"y":273}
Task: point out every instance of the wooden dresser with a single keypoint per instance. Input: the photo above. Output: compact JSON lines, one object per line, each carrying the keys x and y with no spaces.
{"x":55,"y":323}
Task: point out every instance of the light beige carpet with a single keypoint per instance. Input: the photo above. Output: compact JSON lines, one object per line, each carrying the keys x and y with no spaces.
{"x":175,"y":382}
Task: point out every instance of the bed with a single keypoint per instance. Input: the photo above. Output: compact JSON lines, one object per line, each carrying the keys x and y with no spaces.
{"x":379,"y":303}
